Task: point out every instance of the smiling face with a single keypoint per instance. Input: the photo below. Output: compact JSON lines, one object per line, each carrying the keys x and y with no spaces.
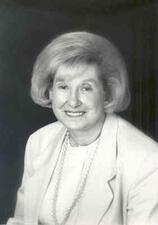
{"x":78,"y":97}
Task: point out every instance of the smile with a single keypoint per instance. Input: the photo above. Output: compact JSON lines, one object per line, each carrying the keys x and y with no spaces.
{"x":74,"y":114}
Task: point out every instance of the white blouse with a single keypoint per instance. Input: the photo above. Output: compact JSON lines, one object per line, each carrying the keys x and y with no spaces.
{"x":72,"y":172}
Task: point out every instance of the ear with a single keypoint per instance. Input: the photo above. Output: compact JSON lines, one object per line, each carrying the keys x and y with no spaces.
{"x":49,"y":92}
{"x":106,"y":102}
{"x":50,"y":98}
{"x":50,"y":89}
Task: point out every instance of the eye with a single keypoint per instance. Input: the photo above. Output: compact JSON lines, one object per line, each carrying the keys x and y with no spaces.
{"x":86,"y":88}
{"x":62,"y":86}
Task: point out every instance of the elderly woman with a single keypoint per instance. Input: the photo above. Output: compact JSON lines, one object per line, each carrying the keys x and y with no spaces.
{"x":90,"y":167}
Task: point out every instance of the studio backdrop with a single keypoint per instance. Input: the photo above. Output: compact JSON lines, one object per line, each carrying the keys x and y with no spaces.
{"x":26,"y":28}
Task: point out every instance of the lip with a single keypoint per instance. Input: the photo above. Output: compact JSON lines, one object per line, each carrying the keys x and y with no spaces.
{"x":74,"y":113}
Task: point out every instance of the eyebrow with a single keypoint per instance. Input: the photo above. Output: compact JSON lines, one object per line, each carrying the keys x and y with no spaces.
{"x":87,"y":80}
{"x":59,"y":80}
{"x":90,"y":80}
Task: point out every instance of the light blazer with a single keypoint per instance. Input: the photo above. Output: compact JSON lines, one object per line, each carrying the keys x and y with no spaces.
{"x":122,"y":187}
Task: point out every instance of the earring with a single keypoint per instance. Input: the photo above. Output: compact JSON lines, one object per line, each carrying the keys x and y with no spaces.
{"x":105,"y":104}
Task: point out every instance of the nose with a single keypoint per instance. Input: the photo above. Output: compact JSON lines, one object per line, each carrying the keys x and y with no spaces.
{"x":74,"y":99}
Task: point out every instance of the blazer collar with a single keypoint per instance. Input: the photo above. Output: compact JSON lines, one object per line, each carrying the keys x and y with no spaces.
{"x":97,"y":193}
{"x":37,"y":185}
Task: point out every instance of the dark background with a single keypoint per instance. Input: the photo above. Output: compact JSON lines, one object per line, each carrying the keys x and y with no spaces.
{"x":26,"y":27}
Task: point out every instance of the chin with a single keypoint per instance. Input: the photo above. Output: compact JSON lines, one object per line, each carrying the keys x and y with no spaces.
{"x":74,"y":126}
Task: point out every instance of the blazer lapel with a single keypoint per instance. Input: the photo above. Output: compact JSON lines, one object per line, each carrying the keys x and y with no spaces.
{"x":38,"y":183}
{"x":98,"y":193}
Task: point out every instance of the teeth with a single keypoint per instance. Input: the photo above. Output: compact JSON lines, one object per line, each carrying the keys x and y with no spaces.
{"x":74,"y":114}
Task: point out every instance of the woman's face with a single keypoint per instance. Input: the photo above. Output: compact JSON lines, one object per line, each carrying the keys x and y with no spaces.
{"x":78,"y":97}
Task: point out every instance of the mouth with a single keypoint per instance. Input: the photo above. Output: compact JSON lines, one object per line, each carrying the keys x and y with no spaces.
{"x":74,"y":114}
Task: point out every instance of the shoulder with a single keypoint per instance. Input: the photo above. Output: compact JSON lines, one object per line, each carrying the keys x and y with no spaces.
{"x":38,"y":140}
{"x":138,"y":153}
{"x":132,"y":137}
{"x":47,"y":130}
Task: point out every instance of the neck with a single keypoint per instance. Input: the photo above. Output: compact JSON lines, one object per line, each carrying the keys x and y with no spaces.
{"x":85,"y":137}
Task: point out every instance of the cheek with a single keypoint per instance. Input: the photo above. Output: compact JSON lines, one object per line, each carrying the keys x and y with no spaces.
{"x":58,"y":100}
{"x":55,"y":95}
{"x":97,"y":100}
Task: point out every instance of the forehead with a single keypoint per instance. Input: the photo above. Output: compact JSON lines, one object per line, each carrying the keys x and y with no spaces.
{"x":80,"y":71}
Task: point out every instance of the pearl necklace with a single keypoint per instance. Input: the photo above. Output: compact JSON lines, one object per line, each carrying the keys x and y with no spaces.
{"x":86,"y":171}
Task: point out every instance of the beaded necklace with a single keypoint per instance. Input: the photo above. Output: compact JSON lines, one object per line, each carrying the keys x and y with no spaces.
{"x":86,"y":171}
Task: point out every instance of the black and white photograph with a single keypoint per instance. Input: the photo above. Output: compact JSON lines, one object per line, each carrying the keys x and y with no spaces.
{"x":78,"y":112}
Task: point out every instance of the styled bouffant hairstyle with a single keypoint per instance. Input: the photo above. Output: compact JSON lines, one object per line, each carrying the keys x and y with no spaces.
{"x":77,"y":48}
